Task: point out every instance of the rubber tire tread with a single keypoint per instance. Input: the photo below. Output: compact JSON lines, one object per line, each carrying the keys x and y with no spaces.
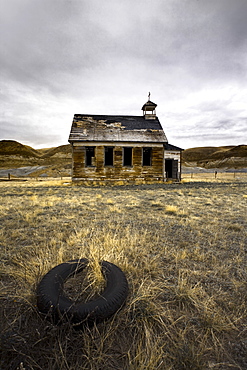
{"x":52,"y":301}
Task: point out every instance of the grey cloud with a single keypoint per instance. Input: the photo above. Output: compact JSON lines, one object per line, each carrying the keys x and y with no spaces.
{"x":42,"y":42}
{"x":32,"y":136}
{"x":197,"y":140}
{"x":225,"y":124}
{"x":187,"y":42}
{"x":55,"y":41}
{"x":108,"y":55}
{"x":209,"y":138}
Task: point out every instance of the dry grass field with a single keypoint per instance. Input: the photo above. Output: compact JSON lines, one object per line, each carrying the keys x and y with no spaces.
{"x":183,"y":250}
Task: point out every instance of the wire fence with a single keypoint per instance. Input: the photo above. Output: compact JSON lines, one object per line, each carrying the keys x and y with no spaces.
{"x":215,"y":175}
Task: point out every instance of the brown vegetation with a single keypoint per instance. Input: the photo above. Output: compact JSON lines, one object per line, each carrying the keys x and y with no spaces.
{"x":182,"y":248}
{"x":57,"y":161}
{"x":216,"y":157}
{"x":52,"y":162}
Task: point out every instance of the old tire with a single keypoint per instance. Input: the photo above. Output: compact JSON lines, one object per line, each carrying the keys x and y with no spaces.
{"x":52,"y":301}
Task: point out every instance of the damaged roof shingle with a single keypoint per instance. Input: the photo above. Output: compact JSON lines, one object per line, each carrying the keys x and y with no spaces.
{"x":127,"y":122}
{"x":88,"y":127}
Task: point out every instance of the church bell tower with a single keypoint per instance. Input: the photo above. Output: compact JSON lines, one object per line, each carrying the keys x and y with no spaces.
{"x":149,"y":109}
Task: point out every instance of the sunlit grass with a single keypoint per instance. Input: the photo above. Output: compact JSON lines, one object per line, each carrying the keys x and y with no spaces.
{"x":181,"y":246}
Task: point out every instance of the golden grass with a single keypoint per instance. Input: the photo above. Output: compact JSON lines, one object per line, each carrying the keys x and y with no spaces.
{"x":181,"y":246}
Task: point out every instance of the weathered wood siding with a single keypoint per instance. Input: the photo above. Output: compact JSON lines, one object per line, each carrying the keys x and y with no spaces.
{"x":98,"y":171}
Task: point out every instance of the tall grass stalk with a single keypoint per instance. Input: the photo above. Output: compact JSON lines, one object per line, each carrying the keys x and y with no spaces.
{"x":181,"y":246}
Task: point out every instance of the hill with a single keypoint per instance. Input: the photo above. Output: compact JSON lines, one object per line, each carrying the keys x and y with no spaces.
{"x":58,"y":152}
{"x":13,"y":148}
{"x":21,"y":160}
{"x":224,"y":157}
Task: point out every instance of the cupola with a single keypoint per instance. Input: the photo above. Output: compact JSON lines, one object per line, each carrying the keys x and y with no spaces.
{"x":149,"y":109}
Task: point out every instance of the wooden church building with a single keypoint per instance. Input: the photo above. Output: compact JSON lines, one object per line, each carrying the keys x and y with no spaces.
{"x":123,"y":148}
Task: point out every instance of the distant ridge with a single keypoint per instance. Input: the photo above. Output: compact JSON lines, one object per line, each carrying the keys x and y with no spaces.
{"x":22,"y":160}
{"x":223,"y":157}
{"x":50,"y":162}
{"x":11,"y":147}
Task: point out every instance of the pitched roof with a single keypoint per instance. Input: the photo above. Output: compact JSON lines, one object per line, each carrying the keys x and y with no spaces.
{"x":127,"y":122}
{"x":150,"y":104}
{"x":172,"y":147}
{"x":86,"y":127}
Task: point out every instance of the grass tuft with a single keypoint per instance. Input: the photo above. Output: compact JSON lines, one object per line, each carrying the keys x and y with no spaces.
{"x":181,"y":246}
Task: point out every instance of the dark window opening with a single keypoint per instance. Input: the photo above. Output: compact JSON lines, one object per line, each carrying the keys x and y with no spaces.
{"x":108,"y":156}
{"x":127,"y":156}
{"x":146,"y":156}
{"x":89,"y":155}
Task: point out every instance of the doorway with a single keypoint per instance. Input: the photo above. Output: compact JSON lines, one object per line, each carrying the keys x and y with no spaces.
{"x":171,"y":168}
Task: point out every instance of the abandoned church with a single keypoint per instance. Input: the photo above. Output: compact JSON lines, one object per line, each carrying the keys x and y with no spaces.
{"x":123,"y":148}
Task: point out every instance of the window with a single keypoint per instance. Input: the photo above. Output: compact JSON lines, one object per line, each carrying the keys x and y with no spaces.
{"x":109,"y":156}
{"x":89,"y":155}
{"x":127,"y":156}
{"x":146,"y":156}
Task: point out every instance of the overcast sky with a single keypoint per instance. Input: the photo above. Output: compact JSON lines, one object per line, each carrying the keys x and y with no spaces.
{"x":61,"y":57}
